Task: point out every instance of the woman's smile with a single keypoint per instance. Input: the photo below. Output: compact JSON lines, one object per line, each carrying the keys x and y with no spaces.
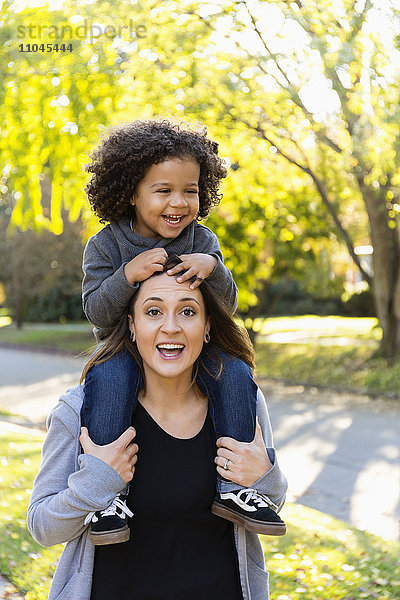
{"x":170,"y":351}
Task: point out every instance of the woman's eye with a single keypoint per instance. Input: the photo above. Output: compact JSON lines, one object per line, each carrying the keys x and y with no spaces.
{"x":188,"y":312}
{"x":153,"y":312}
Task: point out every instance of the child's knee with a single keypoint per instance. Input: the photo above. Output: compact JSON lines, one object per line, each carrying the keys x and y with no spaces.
{"x":236,"y":367}
{"x":120,"y":370}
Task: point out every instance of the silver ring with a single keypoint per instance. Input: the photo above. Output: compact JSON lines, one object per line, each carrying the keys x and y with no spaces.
{"x":226,"y":464}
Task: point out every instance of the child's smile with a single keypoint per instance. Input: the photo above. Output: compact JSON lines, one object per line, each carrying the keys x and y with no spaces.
{"x":167,"y":198}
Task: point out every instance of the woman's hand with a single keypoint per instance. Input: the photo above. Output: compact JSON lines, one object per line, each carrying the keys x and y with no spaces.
{"x":247,"y":461}
{"x":121,"y":455}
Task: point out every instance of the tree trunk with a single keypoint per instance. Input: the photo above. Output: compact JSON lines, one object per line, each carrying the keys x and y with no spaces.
{"x":17,"y":296}
{"x":17,"y":300}
{"x":386,"y":262}
{"x":259,"y":309}
{"x":255,"y":311}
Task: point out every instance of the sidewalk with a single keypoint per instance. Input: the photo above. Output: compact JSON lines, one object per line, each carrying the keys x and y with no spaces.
{"x":339,"y":451}
{"x":8,"y":591}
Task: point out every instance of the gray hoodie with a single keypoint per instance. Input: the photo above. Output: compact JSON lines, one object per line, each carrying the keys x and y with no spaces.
{"x":69,"y":485}
{"x":105,"y":291}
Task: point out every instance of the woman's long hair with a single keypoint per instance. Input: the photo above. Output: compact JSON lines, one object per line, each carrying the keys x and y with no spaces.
{"x":225,"y":334}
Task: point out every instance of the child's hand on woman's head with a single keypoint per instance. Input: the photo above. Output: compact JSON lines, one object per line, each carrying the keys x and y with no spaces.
{"x":199,"y":265}
{"x":121,"y":455}
{"x":145,"y":264}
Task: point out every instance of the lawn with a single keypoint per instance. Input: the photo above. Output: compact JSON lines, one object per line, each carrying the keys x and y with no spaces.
{"x":72,"y":338}
{"x":28,"y":565}
{"x":316,"y":326}
{"x":324,"y":351}
{"x":320,"y":558}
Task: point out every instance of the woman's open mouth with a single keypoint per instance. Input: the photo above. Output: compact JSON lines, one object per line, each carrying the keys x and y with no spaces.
{"x":173,"y":219}
{"x":170,"y":351}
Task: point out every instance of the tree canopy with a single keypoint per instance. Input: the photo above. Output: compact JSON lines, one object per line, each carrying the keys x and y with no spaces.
{"x":302,"y":97}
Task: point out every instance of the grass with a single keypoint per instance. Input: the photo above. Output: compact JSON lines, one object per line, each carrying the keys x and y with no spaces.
{"x":27,"y":564}
{"x":327,"y":351}
{"x":320,"y":558}
{"x":351,"y":366}
{"x":5,"y":413}
{"x":74,"y":337}
{"x":312,"y":324}
{"x":323,"y":558}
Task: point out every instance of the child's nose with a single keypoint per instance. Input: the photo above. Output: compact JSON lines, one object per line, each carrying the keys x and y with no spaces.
{"x":178,"y":200}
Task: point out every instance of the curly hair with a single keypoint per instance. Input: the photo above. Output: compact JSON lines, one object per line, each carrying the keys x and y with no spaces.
{"x":130,"y":149}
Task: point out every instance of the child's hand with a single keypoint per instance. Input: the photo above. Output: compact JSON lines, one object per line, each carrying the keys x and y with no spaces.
{"x":145,"y":264}
{"x":198,"y":264}
{"x":121,"y":455}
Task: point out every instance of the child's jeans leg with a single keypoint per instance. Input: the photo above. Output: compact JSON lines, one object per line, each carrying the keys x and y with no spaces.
{"x":110,"y":396}
{"x":233,"y":398}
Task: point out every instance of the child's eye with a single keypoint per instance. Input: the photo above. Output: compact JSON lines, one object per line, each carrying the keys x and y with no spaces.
{"x":192,"y":191}
{"x":188,"y":312}
{"x":153,"y":312}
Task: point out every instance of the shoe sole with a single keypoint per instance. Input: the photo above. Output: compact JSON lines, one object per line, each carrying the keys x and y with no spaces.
{"x":262,"y":527}
{"x":110,"y":537}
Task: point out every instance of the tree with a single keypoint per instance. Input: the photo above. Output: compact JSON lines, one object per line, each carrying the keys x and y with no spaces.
{"x":53,"y":103}
{"x":346,"y":142}
{"x":41,"y":272}
{"x":270,"y":221}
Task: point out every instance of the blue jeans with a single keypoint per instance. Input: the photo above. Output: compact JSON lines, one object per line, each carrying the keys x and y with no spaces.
{"x":111,"y":390}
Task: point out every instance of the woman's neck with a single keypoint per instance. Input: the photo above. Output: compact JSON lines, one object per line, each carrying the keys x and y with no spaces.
{"x":169,"y":394}
{"x":177,"y":406}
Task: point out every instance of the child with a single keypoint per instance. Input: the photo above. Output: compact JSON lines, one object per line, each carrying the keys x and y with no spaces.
{"x":152,"y":180}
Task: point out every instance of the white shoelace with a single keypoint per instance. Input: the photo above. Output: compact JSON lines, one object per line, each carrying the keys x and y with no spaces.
{"x":116,"y":504}
{"x":260,"y":499}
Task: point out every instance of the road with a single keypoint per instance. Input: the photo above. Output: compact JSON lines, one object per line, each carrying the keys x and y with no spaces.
{"x":340,"y":452}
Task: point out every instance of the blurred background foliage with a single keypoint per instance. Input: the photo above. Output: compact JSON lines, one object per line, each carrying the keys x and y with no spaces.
{"x":303,"y":99}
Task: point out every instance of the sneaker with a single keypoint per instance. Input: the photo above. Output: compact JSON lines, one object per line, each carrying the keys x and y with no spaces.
{"x":253,"y":511}
{"x":109,"y":526}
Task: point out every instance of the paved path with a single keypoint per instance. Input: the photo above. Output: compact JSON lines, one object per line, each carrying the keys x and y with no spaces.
{"x":340,"y":452}
{"x":31,"y":382}
{"x":8,"y":591}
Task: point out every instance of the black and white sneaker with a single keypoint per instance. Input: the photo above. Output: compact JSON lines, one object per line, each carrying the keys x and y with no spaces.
{"x":109,"y":526}
{"x":253,"y":511}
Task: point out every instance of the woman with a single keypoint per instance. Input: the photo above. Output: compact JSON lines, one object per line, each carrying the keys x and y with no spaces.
{"x":178,"y":548}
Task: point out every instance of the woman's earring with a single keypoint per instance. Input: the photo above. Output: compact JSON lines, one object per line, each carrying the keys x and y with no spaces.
{"x":207,"y":337}
{"x":131,"y":337}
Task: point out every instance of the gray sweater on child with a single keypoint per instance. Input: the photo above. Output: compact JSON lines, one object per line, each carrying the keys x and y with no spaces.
{"x":105,"y":291}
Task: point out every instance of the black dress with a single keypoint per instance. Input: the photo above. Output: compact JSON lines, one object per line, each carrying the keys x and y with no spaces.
{"x":178,"y":550}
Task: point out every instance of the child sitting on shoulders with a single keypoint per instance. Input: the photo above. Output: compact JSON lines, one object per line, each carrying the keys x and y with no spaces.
{"x":152,"y":181}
